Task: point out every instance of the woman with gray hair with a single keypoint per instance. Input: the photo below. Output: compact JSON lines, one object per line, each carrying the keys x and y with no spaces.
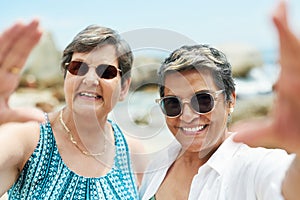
{"x":206,"y":161}
{"x":76,"y":152}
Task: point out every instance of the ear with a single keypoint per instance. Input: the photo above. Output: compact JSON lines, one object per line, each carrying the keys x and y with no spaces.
{"x":231,"y":103}
{"x":124,"y":89}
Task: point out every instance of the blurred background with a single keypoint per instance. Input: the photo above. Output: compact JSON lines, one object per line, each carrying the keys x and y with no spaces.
{"x":242,"y":29}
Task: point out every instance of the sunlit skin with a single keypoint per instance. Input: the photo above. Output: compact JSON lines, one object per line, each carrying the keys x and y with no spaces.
{"x":282,"y":130}
{"x":201,"y":133}
{"x":89,"y":99}
{"x":16,"y":44}
{"x":89,"y":93}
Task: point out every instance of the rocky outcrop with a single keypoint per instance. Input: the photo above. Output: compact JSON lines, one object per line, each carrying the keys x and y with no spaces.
{"x":42,"y":68}
{"x":242,"y":58}
{"x":41,"y":83}
{"x":144,"y":72}
{"x":252,"y":107}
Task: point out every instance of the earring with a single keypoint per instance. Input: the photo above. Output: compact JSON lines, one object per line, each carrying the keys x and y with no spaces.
{"x":231,"y":109}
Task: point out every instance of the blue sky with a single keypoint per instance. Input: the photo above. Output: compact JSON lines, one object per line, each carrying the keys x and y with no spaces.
{"x":210,"y":21}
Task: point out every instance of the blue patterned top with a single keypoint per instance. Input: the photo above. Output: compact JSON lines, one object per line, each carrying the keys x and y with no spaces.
{"x":46,"y":176}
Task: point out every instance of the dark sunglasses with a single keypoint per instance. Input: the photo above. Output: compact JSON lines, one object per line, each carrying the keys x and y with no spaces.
{"x":105,"y":71}
{"x":201,"y":102}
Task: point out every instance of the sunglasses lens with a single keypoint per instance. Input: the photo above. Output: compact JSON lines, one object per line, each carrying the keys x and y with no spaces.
{"x":106,"y":71}
{"x":103,"y":71}
{"x":170,"y":106}
{"x":202,"y":102}
{"x":78,"y":68}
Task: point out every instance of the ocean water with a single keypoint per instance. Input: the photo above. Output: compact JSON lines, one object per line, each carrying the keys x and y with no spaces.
{"x":260,"y":79}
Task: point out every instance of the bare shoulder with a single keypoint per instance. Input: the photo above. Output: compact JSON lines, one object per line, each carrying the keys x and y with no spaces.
{"x":17,"y":127}
{"x":17,"y":142}
{"x":22,"y":134}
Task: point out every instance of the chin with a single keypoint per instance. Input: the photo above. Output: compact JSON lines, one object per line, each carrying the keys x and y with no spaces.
{"x":191,"y":146}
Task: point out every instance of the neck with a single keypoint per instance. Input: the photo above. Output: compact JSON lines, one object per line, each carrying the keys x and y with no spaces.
{"x":89,"y":137}
{"x":200,"y":156}
{"x":88,"y":123}
{"x":193,"y":159}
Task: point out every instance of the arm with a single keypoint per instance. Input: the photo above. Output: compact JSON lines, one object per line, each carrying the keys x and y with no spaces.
{"x":283,"y":129}
{"x":291,"y":185}
{"x":17,"y":142}
{"x":16,"y":44}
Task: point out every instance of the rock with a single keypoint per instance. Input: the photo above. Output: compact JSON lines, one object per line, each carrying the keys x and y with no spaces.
{"x":242,"y":57}
{"x":250,"y":108}
{"x":144,"y":72}
{"x":42,"y":68}
{"x":30,"y":97}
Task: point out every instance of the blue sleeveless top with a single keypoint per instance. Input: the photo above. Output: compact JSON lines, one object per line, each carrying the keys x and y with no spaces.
{"x":45,"y":175}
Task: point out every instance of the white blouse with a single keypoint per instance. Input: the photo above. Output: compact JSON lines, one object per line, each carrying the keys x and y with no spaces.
{"x":234,"y":172}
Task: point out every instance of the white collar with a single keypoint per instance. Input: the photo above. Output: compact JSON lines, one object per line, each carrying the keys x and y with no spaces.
{"x":223,"y":155}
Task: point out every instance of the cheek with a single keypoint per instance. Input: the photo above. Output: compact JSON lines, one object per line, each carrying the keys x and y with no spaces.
{"x":220,"y":115}
{"x":111,"y":90}
{"x":218,"y":124}
{"x":115,"y":97}
{"x":172,"y":123}
{"x":69,"y":85}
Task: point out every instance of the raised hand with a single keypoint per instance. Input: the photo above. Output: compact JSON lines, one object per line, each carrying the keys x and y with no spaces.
{"x":16,"y":43}
{"x":282,"y":130}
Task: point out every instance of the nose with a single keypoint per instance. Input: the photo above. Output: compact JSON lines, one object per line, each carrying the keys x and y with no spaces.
{"x":188,"y":114}
{"x":91,"y":77}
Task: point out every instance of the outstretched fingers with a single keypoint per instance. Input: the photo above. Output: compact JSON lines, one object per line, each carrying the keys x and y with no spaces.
{"x":16,"y":44}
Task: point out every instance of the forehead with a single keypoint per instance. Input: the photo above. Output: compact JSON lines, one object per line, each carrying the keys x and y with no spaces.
{"x":188,"y":82}
{"x":106,"y":53}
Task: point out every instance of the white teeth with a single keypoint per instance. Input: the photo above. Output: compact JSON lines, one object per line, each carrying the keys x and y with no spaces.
{"x":194,"y":129}
{"x":88,"y":95}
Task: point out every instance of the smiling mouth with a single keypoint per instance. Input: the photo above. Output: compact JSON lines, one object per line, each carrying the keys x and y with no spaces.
{"x":193,"y":130}
{"x":90,"y":95}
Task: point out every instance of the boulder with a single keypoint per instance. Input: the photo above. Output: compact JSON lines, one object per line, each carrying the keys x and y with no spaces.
{"x":144,"y":72}
{"x":32,"y":97}
{"x":252,"y":107}
{"x":242,"y":57}
{"x":42,"y":68}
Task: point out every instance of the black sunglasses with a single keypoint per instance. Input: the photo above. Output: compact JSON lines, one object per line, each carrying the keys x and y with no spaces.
{"x":105,"y":71}
{"x":201,"y":102}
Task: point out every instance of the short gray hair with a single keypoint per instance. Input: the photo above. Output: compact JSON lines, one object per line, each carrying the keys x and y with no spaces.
{"x":95,"y":36}
{"x":201,"y":58}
